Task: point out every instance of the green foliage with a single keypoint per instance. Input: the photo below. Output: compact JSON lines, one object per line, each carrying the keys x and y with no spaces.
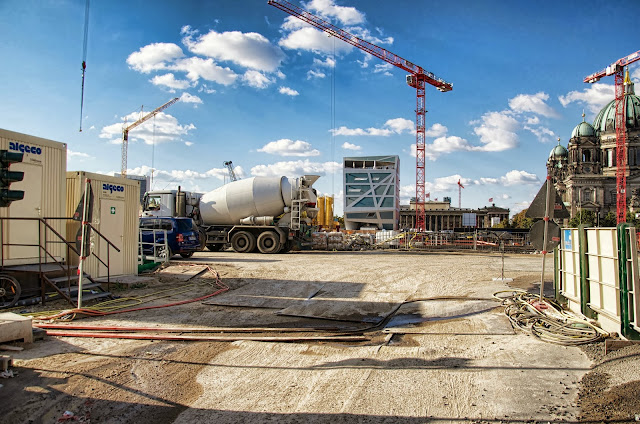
{"x":609,"y":220}
{"x":521,"y":221}
{"x":583,"y":217}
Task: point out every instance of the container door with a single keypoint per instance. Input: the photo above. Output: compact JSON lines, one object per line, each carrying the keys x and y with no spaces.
{"x":112,"y":227}
{"x":26,"y":232}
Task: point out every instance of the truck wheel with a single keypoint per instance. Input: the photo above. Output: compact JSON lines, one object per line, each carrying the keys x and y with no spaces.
{"x":243,"y":242}
{"x":186,"y":255}
{"x":269,"y":242}
{"x":215,"y":247}
{"x":9,"y":291}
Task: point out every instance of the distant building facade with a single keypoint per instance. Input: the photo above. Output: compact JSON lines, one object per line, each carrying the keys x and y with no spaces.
{"x":371,"y":192}
{"x":584,"y":173}
{"x":440,"y":216}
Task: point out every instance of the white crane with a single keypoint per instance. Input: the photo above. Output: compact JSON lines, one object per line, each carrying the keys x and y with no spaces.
{"x":125,"y":132}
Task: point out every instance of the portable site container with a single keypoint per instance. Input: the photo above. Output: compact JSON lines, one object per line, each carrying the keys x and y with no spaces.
{"x":116,"y":208}
{"x":44,"y":165}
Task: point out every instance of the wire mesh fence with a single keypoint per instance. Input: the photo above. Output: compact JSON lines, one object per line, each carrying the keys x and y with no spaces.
{"x":488,"y":241}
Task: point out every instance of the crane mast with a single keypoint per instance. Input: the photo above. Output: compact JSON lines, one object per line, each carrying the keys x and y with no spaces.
{"x":617,"y":69}
{"x":232,"y":174}
{"x":417,"y":79}
{"x":125,"y":132}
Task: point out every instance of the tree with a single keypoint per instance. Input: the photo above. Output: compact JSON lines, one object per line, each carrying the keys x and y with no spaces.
{"x":521,"y":221}
{"x":583,"y":217}
{"x":609,"y":220}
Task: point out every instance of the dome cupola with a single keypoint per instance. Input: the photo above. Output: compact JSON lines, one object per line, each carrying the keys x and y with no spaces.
{"x":606,"y":120}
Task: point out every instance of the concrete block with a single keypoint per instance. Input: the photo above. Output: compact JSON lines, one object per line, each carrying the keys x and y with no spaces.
{"x":15,"y":327}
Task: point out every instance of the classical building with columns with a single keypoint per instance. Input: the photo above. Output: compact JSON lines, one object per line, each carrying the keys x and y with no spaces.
{"x":441,"y":216}
{"x":584,"y":173}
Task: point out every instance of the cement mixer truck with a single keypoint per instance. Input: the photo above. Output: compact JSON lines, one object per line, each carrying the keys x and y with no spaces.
{"x":268,"y":214}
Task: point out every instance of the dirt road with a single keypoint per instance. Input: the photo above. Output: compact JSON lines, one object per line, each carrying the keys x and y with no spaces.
{"x":438,"y":349}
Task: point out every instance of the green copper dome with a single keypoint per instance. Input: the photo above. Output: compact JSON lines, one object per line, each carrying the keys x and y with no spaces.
{"x":583,"y":129}
{"x":605,"y":120}
{"x":558,"y":152}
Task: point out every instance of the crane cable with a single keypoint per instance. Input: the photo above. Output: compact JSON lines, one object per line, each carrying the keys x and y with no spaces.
{"x":546,"y":320}
{"x":84,"y":57}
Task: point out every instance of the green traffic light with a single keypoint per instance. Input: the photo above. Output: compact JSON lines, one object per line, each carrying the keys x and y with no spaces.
{"x":7,"y":177}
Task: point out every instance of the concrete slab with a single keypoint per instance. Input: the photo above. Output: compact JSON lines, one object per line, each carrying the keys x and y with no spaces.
{"x":451,"y":316}
{"x":15,"y":327}
{"x":373,"y":308}
{"x":276,"y":294}
{"x":182,"y":272}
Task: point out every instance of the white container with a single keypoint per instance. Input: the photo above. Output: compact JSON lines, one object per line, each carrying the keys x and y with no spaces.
{"x":116,"y":210}
{"x":44,"y":165}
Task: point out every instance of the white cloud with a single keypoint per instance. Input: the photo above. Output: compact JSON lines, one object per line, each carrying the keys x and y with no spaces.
{"x":436,"y":130}
{"x":634,"y":73}
{"x":328,"y":9}
{"x":314,"y":40}
{"x":256,"y":79}
{"x":533,"y":103}
{"x":497,"y":132}
{"x":207,"y":69}
{"x":315,"y":74}
{"x":442,"y":145}
{"x":77,"y":155}
{"x":505,"y":196}
{"x":189,"y":98}
{"x":205,"y":89}
{"x":348,"y":146}
{"x":391,"y":127}
{"x":519,"y":207}
{"x":188,"y":143}
{"x":250,"y":50}
{"x":511,"y":178}
{"x":296,"y":168}
{"x":383,"y":69}
{"x":169,"y":80}
{"x":154,"y":56}
{"x":543,"y":134}
{"x":532,"y":120}
{"x":167,"y":129}
{"x":595,"y":97}
{"x":286,"y":147}
{"x":288,"y":91}
{"x":329,"y":62}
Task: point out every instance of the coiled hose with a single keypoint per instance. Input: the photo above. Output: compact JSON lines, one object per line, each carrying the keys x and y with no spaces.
{"x":545,"y":319}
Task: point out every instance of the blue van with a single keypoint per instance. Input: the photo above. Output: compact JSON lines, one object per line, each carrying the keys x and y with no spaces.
{"x":182,"y":235}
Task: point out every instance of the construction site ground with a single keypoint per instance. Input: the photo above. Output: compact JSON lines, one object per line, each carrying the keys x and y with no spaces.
{"x":436,"y":347}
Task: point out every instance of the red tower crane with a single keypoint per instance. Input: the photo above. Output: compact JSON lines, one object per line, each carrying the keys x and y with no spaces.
{"x":617,"y":69}
{"x":417,"y":79}
{"x":460,"y":187}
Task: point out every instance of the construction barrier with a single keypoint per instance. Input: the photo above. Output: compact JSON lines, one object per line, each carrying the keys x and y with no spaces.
{"x":596,"y":275}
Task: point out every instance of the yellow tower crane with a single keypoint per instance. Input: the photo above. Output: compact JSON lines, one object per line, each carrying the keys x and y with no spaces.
{"x":125,"y":132}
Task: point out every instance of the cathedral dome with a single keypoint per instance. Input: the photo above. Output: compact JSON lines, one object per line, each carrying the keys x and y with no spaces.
{"x":583,"y":129}
{"x":605,"y":120}
{"x":558,"y":152}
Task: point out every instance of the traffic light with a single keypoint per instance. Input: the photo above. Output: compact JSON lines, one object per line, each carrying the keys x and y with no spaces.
{"x":7,"y":177}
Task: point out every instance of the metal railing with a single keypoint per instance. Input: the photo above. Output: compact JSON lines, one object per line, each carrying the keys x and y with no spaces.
{"x":47,"y":240}
{"x":155,"y":251}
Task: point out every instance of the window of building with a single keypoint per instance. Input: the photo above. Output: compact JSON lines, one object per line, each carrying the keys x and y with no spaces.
{"x":380,"y":190}
{"x":357,"y":178}
{"x":367,"y":202}
{"x":586,"y":156}
{"x":387,"y":202}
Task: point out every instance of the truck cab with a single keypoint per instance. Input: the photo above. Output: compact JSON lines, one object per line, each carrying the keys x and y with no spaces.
{"x":171,"y":203}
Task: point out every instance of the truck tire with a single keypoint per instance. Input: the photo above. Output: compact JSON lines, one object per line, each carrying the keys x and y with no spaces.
{"x":269,"y":242}
{"x":215,"y":247}
{"x":243,"y":242}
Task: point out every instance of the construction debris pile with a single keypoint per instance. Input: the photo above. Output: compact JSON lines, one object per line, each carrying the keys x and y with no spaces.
{"x":341,"y":241}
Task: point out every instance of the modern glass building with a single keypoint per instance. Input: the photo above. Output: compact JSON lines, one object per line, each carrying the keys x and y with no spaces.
{"x":371,"y":192}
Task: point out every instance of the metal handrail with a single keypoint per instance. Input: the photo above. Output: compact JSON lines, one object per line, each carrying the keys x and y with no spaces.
{"x":42,"y":247}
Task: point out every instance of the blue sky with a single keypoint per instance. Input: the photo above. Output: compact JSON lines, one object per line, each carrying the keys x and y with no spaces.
{"x":276,"y":97}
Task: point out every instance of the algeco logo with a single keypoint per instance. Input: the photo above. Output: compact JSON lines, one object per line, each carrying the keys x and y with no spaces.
{"x":23,"y":148}
{"x":112,"y":187}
